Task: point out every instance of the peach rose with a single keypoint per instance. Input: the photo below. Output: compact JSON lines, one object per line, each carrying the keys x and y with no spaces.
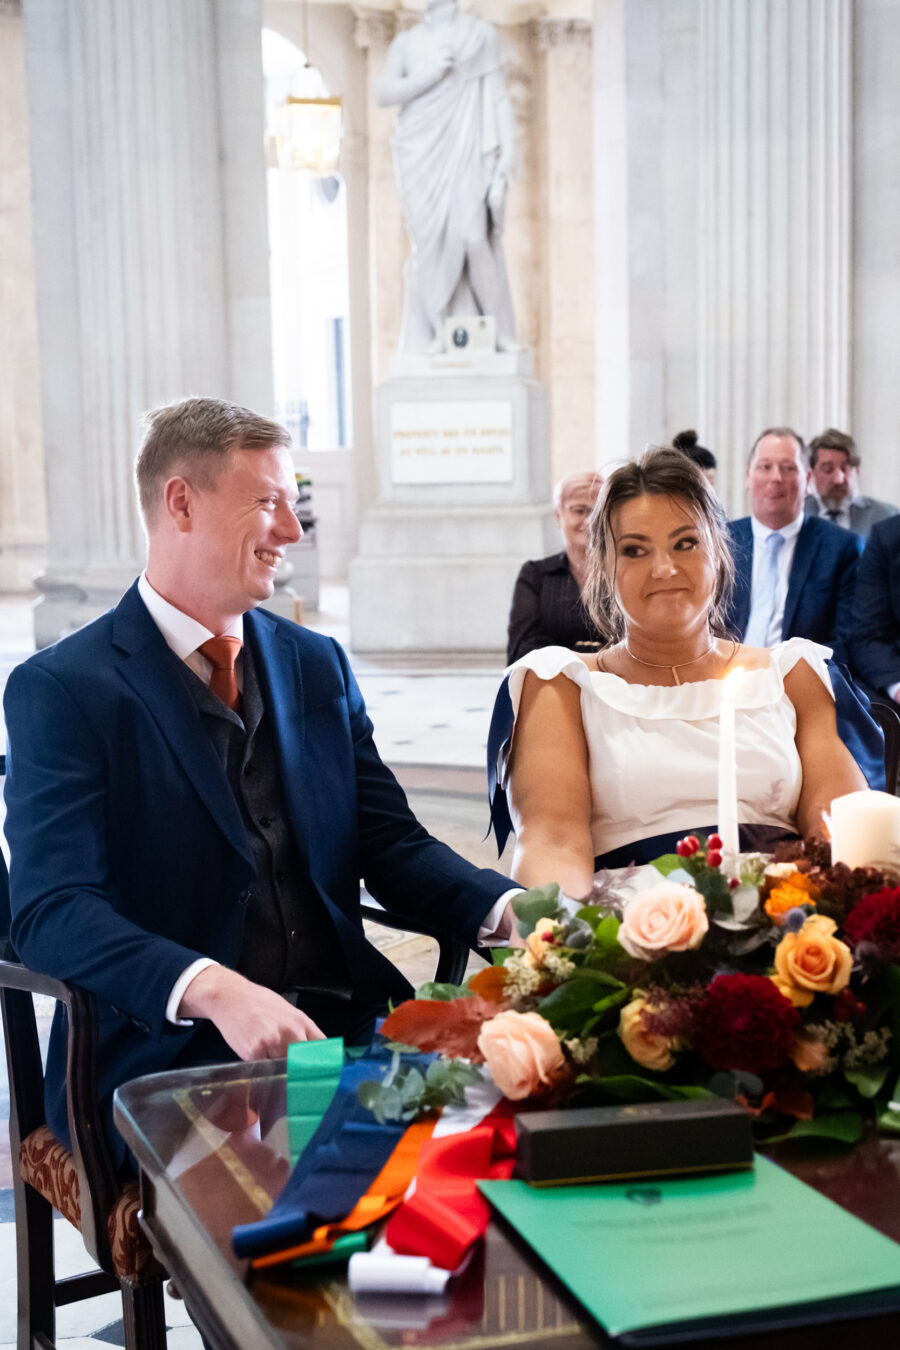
{"x":649,"y":1050}
{"x":813,"y":959}
{"x":666,"y":918}
{"x":810,"y":1055}
{"x":522,"y":1053}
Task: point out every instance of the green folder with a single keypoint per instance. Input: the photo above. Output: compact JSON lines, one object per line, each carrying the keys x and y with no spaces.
{"x":677,"y":1259}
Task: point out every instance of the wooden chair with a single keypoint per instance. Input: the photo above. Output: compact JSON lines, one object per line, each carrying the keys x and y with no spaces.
{"x":81,"y":1184}
{"x":887,"y":714}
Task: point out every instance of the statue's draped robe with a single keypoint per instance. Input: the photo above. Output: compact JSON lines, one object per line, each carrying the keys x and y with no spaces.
{"x":446,"y":145}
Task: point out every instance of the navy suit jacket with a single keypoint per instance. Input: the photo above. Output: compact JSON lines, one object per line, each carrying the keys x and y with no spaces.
{"x":819,"y":603}
{"x":876,"y":632}
{"x":129,"y":855}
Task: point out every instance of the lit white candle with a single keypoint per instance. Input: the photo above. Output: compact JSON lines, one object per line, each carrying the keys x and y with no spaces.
{"x":728,"y":798}
{"x":865,"y":829}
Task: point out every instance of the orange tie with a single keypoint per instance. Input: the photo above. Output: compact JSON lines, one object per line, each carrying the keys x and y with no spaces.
{"x":221,"y":653}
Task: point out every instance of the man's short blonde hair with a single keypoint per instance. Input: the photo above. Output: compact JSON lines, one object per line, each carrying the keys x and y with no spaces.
{"x":193,"y":438}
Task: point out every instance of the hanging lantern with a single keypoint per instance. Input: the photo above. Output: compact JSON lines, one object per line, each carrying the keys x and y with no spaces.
{"x":308,"y":134}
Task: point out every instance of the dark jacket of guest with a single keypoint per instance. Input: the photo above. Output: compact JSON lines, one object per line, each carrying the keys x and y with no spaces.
{"x":819,"y":603}
{"x":875,"y":644}
{"x":547,"y":609}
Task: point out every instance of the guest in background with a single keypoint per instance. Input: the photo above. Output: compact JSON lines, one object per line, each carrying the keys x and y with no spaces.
{"x":875,"y":648}
{"x":547,"y":609}
{"x":686,"y":442}
{"x":794,"y":575}
{"x":834,"y":486}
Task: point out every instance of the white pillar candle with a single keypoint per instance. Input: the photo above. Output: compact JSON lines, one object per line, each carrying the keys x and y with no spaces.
{"x":865,"y":829}
{"x":728,"y":798}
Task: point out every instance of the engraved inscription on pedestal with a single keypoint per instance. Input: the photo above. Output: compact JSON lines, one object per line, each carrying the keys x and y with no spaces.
{"x":452,"y":442}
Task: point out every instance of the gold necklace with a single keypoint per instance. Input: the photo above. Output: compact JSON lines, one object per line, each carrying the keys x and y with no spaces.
{"x":665,"y":665}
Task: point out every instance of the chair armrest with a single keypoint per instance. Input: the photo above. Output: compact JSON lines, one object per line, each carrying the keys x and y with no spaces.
{"x":96,"y":1172}
{"x":887,"y":714}
{"x":453,"y":953}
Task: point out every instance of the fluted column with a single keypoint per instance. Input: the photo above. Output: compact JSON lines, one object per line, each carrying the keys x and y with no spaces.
{"x":22,"y":519}
{"x":150,"y":238}
{"x":567,"y":240}
{"x":775,"y":237}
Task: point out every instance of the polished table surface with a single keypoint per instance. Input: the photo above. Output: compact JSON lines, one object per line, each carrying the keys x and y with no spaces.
{"x":212,"y":1147}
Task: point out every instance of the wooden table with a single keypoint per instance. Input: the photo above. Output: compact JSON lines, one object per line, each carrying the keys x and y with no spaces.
{"x":213,"y":1150}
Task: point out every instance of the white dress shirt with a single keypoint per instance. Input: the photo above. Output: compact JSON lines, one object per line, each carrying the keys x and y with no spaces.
{"x":184,"y":636}
{"x":789,"y":534}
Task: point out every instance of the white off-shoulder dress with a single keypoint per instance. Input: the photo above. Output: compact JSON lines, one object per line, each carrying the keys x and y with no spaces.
{"x":654,"y":750}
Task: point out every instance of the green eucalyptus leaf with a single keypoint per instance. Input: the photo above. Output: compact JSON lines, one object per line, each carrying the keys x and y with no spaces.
{"x":843,"y":1126}
{"x":541,"y":902}
{"x":568,"y":1006}
{"x":443,"y":993}
{"x":667,"y":863}
{"x":500,"y":955}
{"x":869,"y":1080}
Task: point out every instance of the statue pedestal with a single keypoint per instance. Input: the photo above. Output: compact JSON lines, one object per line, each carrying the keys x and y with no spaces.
{"x":463,"y":458}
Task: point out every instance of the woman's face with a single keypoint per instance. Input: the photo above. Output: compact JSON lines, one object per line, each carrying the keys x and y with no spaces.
{"x":665,"y":575}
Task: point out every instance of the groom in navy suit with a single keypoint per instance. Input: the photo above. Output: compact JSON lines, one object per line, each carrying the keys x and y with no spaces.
{"x":193,"y":793}
{"x":794,"y":574}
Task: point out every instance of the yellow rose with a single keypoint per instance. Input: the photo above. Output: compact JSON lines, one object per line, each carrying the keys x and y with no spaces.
{"x":801,"y":998}
{"x":813,"y":959}
{"x":646,"y":1048}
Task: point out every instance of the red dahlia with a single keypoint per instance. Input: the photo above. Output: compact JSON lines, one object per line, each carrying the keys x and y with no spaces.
{"x":744,"y":1023}
{"x":875,"y":919}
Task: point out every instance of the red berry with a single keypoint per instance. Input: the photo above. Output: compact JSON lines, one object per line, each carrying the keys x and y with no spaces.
{"x":734,"y":882}
{"x":714,"y":841}
{"x":692,"y":842}
{"x":681,"y":849}
{"x":713,"y":857}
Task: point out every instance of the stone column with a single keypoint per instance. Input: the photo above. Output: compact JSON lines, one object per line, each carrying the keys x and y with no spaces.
{"x":23,"y":526}
{"x":568,"y":238}
{"x":150,"y":240}
{"x":774,"y":229}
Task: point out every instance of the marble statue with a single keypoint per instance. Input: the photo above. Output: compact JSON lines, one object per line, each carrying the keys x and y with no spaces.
{"x":454,"y":154}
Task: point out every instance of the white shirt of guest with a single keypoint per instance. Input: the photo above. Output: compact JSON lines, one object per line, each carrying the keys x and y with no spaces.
{"x":184,"y":636}
{"x":785,"y":561}
{"x":843,"y":511}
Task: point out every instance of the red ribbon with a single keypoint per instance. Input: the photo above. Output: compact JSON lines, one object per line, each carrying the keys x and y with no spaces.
{"x":446,"y":1214}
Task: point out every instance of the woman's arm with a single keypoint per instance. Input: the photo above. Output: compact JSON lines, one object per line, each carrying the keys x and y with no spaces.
{"x":829,"y":770}
{"x":550,"y":791}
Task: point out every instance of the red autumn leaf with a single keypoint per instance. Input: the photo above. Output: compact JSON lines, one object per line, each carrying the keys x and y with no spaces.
{"x":448,"y":1025}
{"x":489,"y":984}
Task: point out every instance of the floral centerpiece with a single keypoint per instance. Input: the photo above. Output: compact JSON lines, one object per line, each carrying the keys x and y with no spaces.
{"x":779,"y":987}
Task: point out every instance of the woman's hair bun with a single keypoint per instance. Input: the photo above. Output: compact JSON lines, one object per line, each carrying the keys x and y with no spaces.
{"x":685,"y":440}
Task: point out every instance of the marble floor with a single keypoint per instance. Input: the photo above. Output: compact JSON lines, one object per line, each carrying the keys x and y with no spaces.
{"x":431,"y":717}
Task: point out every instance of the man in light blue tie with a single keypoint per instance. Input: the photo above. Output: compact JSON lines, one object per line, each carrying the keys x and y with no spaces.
{"x":794,"y":574}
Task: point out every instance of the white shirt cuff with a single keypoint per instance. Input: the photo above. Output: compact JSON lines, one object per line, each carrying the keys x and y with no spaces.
{"x":891,"y":693}
{"x":487,"y":933}
{"x":179,"y":987}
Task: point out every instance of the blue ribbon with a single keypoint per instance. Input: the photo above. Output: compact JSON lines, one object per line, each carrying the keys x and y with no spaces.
{"x":338,"y":1165}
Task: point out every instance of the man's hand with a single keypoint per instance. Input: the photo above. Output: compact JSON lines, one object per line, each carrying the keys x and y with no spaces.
{"x":256,"y":1022}
{"x":509,"y":928}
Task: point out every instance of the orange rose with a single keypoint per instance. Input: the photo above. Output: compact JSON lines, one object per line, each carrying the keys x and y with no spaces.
{"x":650,"y":1050}
{"x":813,"y":959}
{"x":522,"y":1053}
{"x":791,"y":893}
{"x":666,"y":918}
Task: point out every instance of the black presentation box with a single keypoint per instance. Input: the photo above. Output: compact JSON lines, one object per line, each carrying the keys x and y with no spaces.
{"x":647,"y":1139}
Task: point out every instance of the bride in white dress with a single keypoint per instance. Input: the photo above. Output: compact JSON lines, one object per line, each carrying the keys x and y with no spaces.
{"x":612,"y":756}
